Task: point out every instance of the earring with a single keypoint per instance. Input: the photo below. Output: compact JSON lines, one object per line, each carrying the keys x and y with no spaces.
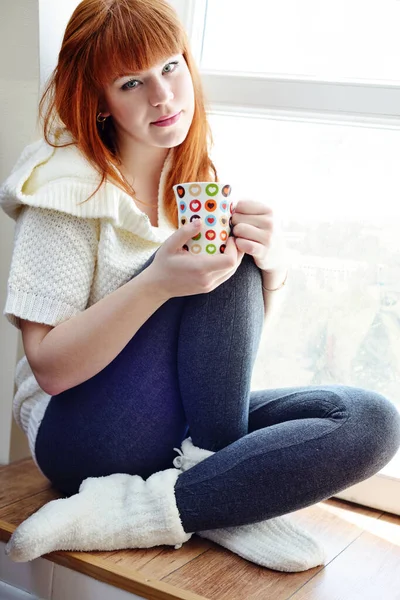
{"x":101,"y":119}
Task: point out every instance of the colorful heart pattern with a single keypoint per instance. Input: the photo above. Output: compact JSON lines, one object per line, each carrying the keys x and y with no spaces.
{"x":217,"y":225}
{"x":195,"y":205}
{"x":212,"y":189}
{"x":211,"y":205}
{"x":210,"y":220}
{"x":195,"y":189}
{"x":180,"y":191}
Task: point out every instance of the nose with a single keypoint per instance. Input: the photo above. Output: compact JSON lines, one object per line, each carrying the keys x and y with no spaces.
{"x":160,"y":92}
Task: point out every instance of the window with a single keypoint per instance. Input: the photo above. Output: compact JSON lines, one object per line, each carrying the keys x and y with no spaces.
{"x":305,"y":110}
{"x":356,"y":40}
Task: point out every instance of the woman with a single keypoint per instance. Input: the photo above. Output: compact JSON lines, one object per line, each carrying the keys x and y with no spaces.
{"x":132,"y":343}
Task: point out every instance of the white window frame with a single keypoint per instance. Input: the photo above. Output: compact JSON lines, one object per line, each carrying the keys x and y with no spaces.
{"x":372,"y":104}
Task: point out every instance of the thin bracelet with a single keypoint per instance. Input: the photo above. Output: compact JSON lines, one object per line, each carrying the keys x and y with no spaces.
{"x":279,"y":286}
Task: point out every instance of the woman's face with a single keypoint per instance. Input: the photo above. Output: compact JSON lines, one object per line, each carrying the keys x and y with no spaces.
{"x":136,"y":101}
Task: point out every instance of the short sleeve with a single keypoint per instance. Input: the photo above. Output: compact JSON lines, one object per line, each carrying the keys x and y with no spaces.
{"x":52,"y":266}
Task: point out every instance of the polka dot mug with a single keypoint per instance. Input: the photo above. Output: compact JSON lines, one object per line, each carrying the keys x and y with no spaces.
{"x":209,"y":201}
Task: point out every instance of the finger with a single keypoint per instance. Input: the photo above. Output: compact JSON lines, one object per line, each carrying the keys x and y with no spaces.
{"x":250,"y":247}
{"x":252,"y":207}
{"x":253,"y":234}
{"x":259,"y":221}
{"x":183,"y":235}
{"x":239,"y":253}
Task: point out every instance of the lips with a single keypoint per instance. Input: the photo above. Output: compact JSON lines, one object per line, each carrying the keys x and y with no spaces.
{"x":167,"y":118}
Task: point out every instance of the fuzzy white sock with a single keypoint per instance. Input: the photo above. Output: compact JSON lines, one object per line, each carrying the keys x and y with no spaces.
{"x":115,"y":512}
{"x":276,"y":543}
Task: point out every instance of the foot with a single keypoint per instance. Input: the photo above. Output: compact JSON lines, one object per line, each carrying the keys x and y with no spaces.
{"x":277,"y":543}
{"x":109,"y":513}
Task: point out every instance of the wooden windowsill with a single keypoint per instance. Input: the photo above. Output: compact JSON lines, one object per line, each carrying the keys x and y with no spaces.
{"x":202,"y":570}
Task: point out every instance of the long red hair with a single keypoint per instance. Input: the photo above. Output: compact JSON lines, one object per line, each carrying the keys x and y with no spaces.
{"x":103,"y":39}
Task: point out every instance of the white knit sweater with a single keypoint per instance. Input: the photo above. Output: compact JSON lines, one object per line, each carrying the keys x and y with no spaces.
{"x":67,"y":255}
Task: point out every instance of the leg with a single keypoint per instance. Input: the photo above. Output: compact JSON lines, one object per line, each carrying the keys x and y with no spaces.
{"x":130,"y":416}
{"x":304,"y":445}
{"x":125,"y":419}
{"x":218,"y":343}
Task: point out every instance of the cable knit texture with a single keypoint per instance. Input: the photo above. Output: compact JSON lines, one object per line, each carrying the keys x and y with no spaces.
{"x":68,"y":254}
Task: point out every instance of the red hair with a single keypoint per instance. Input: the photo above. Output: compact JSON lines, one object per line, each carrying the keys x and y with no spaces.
{"x":104,"y":39}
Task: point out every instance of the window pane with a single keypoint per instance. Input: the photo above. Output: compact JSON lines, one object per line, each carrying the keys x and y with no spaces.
{"x":339,"y":39}
{"x":335,"y":190}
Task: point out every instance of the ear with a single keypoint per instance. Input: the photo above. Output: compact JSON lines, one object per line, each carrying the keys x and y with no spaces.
{"x":103,"y":108}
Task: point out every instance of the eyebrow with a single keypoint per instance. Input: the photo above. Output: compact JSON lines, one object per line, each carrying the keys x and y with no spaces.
{"x":127,"y":75}
{"x":140,"y":73}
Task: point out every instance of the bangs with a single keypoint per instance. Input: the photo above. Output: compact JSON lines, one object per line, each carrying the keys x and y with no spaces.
{"x":134,"y":37}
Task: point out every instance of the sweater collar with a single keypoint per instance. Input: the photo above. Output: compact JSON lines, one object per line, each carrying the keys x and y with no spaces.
{"x":62,"y":179}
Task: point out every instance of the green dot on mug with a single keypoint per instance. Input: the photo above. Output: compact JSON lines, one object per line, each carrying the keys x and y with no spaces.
{"x":212,"y":189}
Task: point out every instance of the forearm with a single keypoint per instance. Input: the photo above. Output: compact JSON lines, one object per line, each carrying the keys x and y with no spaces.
{"x":81,"y":347}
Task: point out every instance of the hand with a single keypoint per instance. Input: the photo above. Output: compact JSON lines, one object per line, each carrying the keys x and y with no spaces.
{"x":254,"y":232}
{"x":177,"y":272}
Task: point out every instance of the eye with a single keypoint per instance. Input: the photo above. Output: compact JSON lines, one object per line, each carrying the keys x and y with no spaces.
{"x":171,"y":67}
{"x":130,"y":85}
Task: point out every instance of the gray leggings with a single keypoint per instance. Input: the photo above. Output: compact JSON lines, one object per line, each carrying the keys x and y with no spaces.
{"x":187,"y":371}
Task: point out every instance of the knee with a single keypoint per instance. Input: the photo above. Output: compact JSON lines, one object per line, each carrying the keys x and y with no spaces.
{"x":385,"y":418}
{"x":375,"y":423}
{"x":248,"y":277}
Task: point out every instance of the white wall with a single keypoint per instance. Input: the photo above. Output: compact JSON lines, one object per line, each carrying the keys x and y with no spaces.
{"x":19,"y":77}
{"x":53,"y":18}
{"x":31,"y":32}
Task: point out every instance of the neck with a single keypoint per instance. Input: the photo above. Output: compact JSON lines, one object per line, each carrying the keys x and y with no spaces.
{"x":142,"y":166}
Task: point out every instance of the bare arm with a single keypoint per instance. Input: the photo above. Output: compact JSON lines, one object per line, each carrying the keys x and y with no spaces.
{"x":72,"y":352}
{"x":61,"y":357}
{"x":271,"y":280}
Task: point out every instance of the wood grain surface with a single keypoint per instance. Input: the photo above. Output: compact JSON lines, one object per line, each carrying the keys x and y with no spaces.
{"x":362,"y":546}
